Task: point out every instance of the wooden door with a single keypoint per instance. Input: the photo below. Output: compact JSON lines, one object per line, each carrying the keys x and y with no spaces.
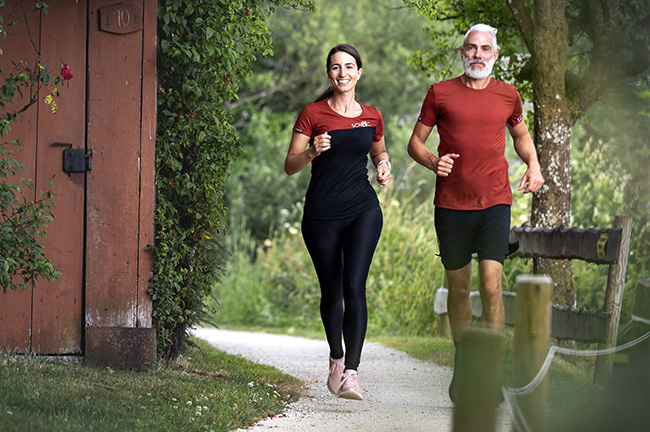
{"x":121,"y":136}
{"x":103,"y":217}
{"x":48,"y":319}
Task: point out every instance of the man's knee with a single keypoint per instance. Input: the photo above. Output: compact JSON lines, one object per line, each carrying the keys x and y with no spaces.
{"x":458,"y":290}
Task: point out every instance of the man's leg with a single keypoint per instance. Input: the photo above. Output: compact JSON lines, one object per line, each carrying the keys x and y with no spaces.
{"x":494,"y":317}
{"x":490,"y":273}
{"x":459,"y":307}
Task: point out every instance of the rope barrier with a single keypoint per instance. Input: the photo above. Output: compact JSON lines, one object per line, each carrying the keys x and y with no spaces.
{"x":554,"y":348}
{"x":641,"y":320}
{"x":519,"y":422}
{"x":510,"y":394}
{"x":623,"y":329}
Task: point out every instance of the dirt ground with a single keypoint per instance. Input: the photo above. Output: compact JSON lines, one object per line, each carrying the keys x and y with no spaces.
{"x":400,"y":393}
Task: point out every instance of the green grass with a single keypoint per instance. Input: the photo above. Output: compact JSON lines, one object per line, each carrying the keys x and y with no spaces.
{"x":207,"y":389}
{"x":204,"y":390}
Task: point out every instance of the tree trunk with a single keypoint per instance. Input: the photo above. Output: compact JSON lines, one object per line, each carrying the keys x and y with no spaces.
{"x":617,"y":33}
{"x":553,"y":207}
{"x":553,"y":123}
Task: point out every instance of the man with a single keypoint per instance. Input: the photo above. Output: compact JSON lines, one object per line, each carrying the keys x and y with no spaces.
{"x":473,"y":197}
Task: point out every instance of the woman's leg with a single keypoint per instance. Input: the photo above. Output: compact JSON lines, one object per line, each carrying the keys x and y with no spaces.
{"x":323,"y":241}
{"x":359,"y":242}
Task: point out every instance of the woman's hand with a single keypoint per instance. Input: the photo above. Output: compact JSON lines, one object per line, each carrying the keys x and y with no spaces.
{"x":321,"y":143}
{"x":383,"y":174}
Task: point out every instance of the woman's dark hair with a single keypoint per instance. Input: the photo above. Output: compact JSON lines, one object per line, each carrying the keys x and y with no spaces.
{"x":348,"y":49}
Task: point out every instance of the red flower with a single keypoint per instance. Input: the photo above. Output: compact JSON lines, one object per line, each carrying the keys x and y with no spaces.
{"x":65,"y":72}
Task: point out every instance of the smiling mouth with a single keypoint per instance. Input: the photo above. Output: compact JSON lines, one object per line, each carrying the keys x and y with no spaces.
{"x":343,"y":82}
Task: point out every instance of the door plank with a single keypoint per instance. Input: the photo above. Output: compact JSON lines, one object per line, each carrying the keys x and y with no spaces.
{"x":57,"y":308}
{"x":114,"y":136}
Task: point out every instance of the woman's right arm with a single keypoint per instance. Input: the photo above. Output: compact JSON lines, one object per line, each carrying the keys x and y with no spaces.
{"x":299,"y":155}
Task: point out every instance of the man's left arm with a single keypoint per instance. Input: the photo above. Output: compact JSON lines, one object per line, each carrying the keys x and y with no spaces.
{"x":525,"y":148}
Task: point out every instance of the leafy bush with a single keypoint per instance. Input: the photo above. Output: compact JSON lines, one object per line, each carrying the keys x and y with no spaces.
{"x":23,"y":217}
{"x":205,"y":49}
{"x":23,"y":222}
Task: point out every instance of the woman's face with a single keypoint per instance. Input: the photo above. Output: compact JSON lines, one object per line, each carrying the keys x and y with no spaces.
{"x":343,"y":72}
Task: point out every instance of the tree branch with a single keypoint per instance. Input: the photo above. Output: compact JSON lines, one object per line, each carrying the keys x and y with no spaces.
{"x":606,"y":65}
{"x":265,"y":93}
{"x":524,"y":22}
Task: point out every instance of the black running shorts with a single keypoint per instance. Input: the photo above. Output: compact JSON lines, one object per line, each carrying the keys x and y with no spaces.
{"x":464,"y":232}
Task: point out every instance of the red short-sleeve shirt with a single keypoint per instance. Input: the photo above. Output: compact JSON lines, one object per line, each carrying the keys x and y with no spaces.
{"x":472,"y":123}
{"x":339,"y":186}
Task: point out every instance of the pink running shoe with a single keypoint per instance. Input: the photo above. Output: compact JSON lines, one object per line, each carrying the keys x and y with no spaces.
{"x":336,"y":374}
{"x":350,"y":386}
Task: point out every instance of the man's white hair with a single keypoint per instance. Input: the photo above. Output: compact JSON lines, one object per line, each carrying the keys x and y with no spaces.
{"x":484,"y":28}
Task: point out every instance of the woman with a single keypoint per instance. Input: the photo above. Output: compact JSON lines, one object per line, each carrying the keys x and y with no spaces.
{"x":342,"y":219}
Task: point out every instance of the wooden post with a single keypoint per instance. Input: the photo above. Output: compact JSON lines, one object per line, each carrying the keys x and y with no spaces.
{"x":444,"y":326}
{"x":613,"y":300}
{"x":478,"y":380}
{"x":531,"y":345}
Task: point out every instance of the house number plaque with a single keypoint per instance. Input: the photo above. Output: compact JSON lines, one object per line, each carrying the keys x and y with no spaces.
{"x":120,"y":18}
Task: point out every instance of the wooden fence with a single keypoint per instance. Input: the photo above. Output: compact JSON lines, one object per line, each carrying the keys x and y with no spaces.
{"x":605,"y":246}
{"x":475,"y":407}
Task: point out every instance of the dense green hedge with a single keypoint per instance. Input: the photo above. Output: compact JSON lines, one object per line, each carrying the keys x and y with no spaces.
{"x":205,"y":49}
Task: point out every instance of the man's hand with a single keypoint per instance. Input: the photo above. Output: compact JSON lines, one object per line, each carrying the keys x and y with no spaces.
{"x":532,"y":180}
{"x":444,"y":165}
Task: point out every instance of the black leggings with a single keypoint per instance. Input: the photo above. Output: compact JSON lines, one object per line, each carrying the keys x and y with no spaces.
{"x":342,"y":251}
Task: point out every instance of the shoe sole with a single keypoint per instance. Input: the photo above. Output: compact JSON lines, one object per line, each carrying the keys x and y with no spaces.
{"x":335,"y":393}
{"x":351,"y":394}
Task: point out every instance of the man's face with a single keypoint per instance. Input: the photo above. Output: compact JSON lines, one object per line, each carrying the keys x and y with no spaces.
{"x":478,"y":55}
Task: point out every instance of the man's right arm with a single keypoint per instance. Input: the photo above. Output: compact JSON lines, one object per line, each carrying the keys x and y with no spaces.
{"x":417,"y":148}
{"x":420,"y":153}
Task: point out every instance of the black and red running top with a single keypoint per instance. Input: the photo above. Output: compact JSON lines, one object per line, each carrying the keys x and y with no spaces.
{"x":339,"y":185}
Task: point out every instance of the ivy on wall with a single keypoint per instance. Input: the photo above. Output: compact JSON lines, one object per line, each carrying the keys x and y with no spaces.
{"x":205,"y":49}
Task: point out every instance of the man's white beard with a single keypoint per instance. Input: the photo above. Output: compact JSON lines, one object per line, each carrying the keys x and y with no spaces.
{"x":478,"y":73}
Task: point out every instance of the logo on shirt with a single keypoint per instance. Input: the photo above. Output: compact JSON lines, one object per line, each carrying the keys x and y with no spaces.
{"x":361,"y":124}
{"x":298,"y":130}
{"x":520,"y":118}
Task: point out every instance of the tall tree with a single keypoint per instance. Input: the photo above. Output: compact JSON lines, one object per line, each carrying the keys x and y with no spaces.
{"x":567,"y":52}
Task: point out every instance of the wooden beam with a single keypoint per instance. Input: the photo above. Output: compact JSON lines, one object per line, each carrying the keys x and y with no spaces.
{"x":595,"y":245}
{"x":567,"y":322}
{"x":579,"y":324}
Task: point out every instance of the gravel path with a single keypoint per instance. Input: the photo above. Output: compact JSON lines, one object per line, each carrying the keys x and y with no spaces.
{"x":400,"y":393}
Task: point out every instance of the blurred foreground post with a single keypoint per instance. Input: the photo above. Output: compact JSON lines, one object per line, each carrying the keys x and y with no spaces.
{"x":531,"y":345}
{"x":478,"y":380}
{"x":639,"y":328}
{"x":625,"y":405}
